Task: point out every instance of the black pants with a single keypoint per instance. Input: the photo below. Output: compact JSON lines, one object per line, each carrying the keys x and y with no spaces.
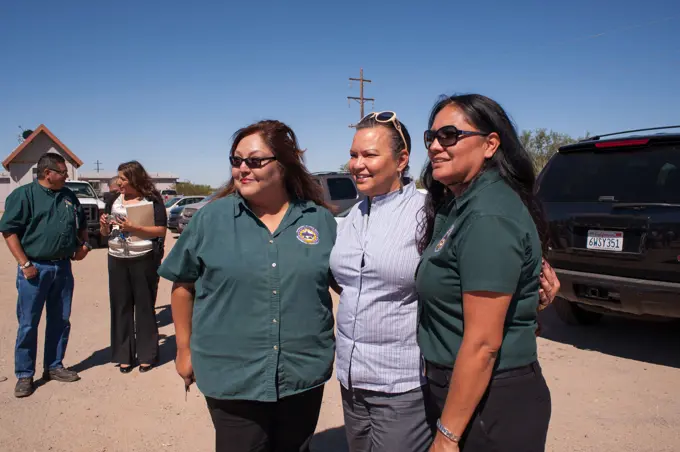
{"x":284,"y":426}
{"x":132,"y":290}
{"x":512,"y":416}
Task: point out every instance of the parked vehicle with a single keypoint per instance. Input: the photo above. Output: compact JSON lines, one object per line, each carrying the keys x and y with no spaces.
{"x":182,"y":201}
{"x":613,"y":207}
{"x":167,"y":194}
{"x":92,"y":206}
{"x":339,"y":189}
{"x":175,"y":212}
{"x":189,"y":211}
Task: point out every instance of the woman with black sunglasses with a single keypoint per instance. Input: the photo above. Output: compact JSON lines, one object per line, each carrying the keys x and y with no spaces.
{"x":250,"y":301}
{"x":478,"y":282}
{"x":374,"y":261}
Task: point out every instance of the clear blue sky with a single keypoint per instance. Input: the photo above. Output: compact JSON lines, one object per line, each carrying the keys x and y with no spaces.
{"x":169,"y":82}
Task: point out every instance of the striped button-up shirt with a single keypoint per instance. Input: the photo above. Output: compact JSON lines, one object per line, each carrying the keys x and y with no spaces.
{"x":374,"y":262}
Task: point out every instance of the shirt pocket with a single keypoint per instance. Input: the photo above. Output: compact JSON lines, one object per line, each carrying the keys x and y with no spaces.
{"x":68,"y":215}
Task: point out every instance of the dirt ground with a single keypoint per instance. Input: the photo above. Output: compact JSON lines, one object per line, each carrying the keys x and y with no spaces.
{"x":614,"y":386}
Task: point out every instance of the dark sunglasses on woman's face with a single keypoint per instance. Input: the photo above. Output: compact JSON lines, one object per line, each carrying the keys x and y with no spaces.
{"x":251,"y":162}
{"x":448,"y":136}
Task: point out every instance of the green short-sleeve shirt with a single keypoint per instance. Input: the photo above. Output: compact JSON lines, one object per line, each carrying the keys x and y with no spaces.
{"x":46,"y":221}
{"x":262,"y":324}
{"x":485,"y":240}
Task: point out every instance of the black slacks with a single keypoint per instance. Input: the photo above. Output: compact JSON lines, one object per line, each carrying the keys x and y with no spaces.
{"x":132,"y":291}
{"x":249,"y":426}
{"x":513,"y":415}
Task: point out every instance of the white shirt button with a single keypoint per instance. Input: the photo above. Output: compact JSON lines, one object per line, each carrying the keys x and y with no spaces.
{"x":274,"y":264}
{"x":271,"y":241}
{"x":276,"y":347}
{"x":274,"y":321}
{"x":274,"y":292}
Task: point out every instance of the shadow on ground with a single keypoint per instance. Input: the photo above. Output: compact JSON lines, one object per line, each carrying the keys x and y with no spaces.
{"x":331,"y":440}
{"x":163,"y":315}
{"x":167,"y":346}
{"x":655,"y":342}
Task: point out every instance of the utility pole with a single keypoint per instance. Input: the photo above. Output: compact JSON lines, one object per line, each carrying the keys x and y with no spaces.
{"x":98,"y":163}
{"x":361,"y":99}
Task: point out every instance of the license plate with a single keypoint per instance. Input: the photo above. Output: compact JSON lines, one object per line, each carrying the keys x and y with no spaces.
{"x":605,"y":240}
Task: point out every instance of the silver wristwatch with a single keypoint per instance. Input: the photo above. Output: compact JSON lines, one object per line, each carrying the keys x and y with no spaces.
{"x":446,"y":432}
{"x":26,"y":265}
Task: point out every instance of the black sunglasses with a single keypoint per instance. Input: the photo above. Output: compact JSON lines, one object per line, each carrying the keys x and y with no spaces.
{"x":251,"y":162}
{"x":448,"y":135}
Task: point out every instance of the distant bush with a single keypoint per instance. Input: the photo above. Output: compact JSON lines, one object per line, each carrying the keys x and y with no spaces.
{"x":187,"y":188}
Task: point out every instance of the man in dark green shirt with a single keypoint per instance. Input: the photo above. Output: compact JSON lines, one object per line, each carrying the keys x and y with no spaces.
{"x":44,"y":227}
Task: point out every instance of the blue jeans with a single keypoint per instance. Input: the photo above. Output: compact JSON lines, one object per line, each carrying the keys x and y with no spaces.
{"x":52,"y":286}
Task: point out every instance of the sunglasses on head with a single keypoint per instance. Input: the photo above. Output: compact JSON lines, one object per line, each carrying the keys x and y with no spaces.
{"x":385,"y":117}
{"x":448,"y":136}
{"x":251,"y":162}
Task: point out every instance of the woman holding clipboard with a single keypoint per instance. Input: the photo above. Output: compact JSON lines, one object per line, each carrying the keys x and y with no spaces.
{"x":136,"y":225}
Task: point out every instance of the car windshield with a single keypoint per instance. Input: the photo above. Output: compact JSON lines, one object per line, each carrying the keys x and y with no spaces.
{"x":651,"y":174}
{"x":170,"y":202}
{"x":81,"y":190}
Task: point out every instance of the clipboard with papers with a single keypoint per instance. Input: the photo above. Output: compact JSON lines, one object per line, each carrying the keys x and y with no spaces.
{"x":140,"y":214}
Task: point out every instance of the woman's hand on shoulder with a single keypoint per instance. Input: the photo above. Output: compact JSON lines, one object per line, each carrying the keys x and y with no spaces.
{"x":550,"y":285}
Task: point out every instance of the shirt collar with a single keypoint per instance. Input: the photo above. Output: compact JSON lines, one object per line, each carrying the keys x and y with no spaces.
{"x":47,"y":190}
{"x":404,"y":191}
{"x":296,"y":209}
{"x":479,"y":183}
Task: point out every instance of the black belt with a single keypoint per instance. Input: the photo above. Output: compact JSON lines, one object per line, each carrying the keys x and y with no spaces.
{"x":497,"y":374}
{"x":48,"y":260}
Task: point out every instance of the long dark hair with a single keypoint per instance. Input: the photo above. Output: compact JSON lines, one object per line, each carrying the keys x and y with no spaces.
{"x":281,"y":139}
{"x":140,"y":180}
{"x":512,"y":161}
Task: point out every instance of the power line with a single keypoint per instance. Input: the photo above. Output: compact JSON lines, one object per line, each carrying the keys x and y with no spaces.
{"x":361,"y":99}
{"x":98,"y":163}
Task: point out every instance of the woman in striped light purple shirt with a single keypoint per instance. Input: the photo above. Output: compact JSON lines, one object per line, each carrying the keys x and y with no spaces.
{"x":374,"y":262}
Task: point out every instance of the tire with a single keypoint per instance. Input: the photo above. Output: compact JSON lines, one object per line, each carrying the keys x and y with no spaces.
{"x":572,"y":314}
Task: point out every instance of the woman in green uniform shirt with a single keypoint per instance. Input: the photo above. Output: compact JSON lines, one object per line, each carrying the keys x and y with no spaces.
{"x":478,"y":282}
{"x":250,"y":300}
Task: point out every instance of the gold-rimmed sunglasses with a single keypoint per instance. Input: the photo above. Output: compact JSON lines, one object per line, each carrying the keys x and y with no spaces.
{"x":385,"y":117}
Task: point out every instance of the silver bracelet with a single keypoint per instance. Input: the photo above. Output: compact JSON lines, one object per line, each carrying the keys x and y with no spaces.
{"x":445,"y":431}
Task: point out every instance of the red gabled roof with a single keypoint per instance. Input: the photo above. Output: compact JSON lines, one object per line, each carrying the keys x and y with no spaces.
{"x":31,"y":137}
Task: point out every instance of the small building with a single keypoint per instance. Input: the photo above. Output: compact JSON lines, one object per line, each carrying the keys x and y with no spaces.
{"x":100,"y":179}
{"x":21,"y":164}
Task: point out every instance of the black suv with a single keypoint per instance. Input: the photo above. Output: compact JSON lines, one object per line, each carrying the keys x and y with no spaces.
{"x":613,"y":207}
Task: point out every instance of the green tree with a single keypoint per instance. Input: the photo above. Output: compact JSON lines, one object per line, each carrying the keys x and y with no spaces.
{"x":344,"y":168}
{"x":543,"y":144}
{"x":189,"y":189}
